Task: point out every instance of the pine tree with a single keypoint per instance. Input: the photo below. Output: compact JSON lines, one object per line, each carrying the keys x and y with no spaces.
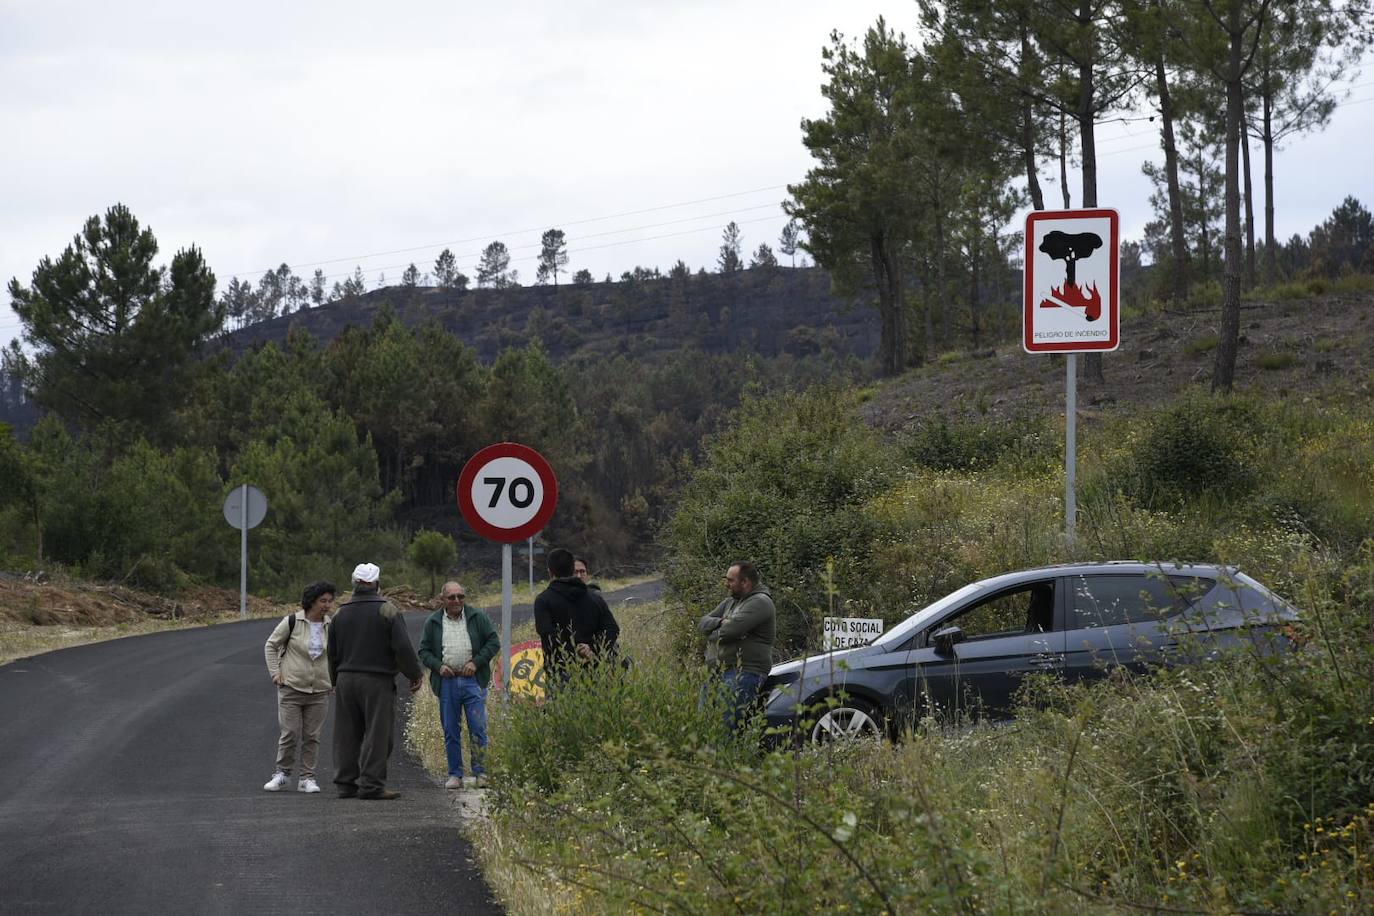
{"x":763,"y":257}
{"x":493,"y":268}
{"x":446,"y":269}
{"x":107,"y":336}
{"x":790,"y":240}
{"x":553,"y":256}
{"x":729,"y":260}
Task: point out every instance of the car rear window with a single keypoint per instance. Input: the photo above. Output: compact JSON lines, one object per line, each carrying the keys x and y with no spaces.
{"x":1113,"y":600}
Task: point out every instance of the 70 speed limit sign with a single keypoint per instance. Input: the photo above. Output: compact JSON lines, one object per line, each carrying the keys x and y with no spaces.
{"x":507,"y":492}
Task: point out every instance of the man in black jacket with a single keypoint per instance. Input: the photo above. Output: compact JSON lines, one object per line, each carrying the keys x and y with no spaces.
{"x":368,"y":645}
{"x":574,"y":622}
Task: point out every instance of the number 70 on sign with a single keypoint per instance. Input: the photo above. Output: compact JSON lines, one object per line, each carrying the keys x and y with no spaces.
{"x":507,"y":492}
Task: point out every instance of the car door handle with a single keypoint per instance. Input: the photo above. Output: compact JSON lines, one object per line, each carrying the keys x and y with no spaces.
{"x":1047,"y":660}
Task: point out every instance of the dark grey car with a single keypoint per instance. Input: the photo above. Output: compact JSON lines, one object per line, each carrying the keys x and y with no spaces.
{"x":967,"y":654}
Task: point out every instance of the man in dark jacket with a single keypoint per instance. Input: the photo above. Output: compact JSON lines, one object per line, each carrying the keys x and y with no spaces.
{"x":368,"y":645}
{"x":457,"y":646}
{"x":739,"y":640}
{"x":574,"y":623}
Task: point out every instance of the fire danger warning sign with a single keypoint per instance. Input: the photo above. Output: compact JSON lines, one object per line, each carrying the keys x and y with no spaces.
{"x":1071,"y":303}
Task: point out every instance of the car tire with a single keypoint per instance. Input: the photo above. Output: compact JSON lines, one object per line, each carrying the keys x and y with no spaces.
{"x":850,"y":720}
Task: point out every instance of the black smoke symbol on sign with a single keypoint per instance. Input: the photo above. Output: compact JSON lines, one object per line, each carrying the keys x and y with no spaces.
{"x":1069,"y":248}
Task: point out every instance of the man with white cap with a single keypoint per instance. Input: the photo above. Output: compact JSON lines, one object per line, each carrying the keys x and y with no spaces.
{"x":368,"y":645}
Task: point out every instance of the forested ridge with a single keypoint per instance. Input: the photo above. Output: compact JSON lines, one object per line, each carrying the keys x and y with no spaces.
{"x":354,"y":408}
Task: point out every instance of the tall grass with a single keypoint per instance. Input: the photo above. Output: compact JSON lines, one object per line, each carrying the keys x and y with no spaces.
{"x":1242,"y":785}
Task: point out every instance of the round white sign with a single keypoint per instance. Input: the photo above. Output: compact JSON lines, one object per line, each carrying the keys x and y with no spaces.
{"x":234,"y":506}
{"x":507,"y":492}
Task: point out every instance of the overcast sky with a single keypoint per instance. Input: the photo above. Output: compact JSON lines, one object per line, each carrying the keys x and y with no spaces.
{"x":346,"y":133}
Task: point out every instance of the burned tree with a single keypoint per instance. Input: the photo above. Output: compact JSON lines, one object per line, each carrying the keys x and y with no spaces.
{"x":1070,"y":248}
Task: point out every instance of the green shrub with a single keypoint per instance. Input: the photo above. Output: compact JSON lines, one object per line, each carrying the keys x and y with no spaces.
{"x":434,"y":553}
{"x":785,"y":489}
{"x":1203,"y":343}
{"x":1199,"y":448}
{"x":1272,"y":360}
{"x":953,"y":445}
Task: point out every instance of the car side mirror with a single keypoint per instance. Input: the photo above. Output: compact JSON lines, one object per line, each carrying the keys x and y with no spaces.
{"x":945,"y":640}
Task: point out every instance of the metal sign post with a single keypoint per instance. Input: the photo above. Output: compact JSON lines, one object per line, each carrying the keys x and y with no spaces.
{"x":245,"y":507}
{"x":1071,"y":306}
{"x":1070,"y":449}
{"x":505,"y":614}
{"x":507,"y":492}
{"x":243,"y":551}
{"x":531,"y":549}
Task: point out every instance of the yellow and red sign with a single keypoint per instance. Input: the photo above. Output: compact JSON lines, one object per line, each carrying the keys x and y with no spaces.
{"x":527,"y":670}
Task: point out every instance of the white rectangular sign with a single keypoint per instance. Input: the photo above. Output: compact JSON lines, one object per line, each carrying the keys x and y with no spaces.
{"x":847,"y":632}
{"x":1071,"y":273}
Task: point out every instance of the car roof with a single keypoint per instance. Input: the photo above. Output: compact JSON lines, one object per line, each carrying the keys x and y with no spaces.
{"x":1127,"y":567}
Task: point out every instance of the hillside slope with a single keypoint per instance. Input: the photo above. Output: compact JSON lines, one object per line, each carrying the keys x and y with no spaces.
{"x":769,"y":311}
{"x":1319,"y":348}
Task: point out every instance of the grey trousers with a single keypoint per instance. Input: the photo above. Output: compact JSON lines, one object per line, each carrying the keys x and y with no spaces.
{"x":364,"y":716}
{"x":301,"y":716}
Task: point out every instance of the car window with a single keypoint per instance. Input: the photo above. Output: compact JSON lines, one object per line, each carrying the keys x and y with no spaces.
{"x":1108,"y":601}
{"x":1188,"y":589}
{"x":1027,"y":609}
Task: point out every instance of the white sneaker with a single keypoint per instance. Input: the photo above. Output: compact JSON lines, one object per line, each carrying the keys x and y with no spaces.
{"x":278,"y":782}
{"x":454,"y":782}
{"x":308,"y":785}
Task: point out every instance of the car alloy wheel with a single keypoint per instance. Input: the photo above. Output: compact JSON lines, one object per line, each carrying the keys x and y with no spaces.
{"x":847,"y":722}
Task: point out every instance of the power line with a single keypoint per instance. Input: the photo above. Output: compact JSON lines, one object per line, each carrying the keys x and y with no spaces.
{"x":571,"y":251}
{"x":488,"y":237}
{"x":671,"y":222}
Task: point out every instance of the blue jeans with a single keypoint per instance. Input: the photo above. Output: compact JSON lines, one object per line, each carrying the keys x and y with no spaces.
{"x":462,"y":698}
{"x":740,"y":690}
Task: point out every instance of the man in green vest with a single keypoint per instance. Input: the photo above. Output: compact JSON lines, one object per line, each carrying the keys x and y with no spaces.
{"x":457,"y":646}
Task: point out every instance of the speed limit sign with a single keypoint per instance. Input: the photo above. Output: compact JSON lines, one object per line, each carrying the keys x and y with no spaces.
{"x":507,"y":492}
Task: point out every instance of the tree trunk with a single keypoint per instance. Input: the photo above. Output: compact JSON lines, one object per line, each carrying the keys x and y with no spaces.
{"x":1178,"y":238}
{"x":1064,"y":163}
{"x":1028,"y":135}
{"x":973,"y":286}
{"x":892,"y":343}
{"x":1271,"y":253}
{"x":1249,"y":202}
{"x":1092,"y":362}
{"x":1204,"y":233}
{"x":1223,"y":376}
{"x":940,"y":278}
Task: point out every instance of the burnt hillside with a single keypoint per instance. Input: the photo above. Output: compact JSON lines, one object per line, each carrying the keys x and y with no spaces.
{"x":768,"y":311}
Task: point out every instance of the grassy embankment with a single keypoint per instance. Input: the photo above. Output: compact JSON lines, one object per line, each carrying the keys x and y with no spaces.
{"x":1241,"y":786}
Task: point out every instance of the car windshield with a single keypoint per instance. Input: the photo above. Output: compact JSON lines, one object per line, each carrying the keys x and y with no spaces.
{"x":919,"y":619}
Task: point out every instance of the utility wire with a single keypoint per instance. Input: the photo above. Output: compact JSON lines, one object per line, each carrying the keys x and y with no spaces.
{"x":572,"y":251}
{"x":490,"y":236}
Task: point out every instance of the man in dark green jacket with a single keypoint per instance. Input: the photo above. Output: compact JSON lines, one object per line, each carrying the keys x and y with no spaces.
{"x":457,"y":646}
{"x":739,"y":641}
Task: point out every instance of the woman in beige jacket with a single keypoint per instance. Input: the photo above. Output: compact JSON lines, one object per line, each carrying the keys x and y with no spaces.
{"x":298,"y":662}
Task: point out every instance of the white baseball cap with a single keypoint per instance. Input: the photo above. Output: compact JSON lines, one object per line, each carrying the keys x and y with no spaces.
{"x":366,"y":572}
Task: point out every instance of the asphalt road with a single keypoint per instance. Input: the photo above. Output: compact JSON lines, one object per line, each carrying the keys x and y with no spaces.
{"x":131,"y":777}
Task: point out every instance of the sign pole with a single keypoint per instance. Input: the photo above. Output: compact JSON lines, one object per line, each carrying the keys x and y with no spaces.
{"x":1070,"y":449}
{"x":505,"y":617}
{"x":531,"y":547}
{"x":243,"y":552}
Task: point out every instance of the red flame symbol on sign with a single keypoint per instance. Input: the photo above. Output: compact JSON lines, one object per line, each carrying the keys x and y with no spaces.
{"x":1073,"y":296}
